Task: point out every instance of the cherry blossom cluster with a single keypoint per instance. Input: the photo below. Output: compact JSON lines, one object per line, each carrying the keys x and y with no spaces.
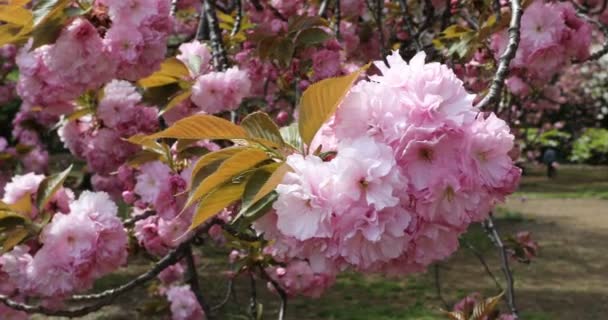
{"x":212,"y":91}
{"x":552,"y":35}
{"x":83,"y":241}
{"x":54,"y":75}
{"x":415,"y":164}
{"x":100,"y":138}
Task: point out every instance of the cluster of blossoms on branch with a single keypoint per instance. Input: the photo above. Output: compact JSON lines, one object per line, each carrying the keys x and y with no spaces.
{"x":399,"y":190}
{"x":388,"y":184}
{"x":552,"y":36}
{"x":83,"y":241}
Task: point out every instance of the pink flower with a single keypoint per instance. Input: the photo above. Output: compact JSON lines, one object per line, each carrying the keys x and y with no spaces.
{"x":491,"y":142}
{"x":20,"y":186}
{"x":151,"y":179}
{"x":196,"y":56}
{"x":302,"y":208}
{"x":221,"y":91}
{"x":366,"y":170}
{"x":184,"y":305}
{"x":131,"y":12}
{"x":299,"y":278}
{"x":325,"y":64}
{"x":540,"y":29}
{"x":119,"y":97}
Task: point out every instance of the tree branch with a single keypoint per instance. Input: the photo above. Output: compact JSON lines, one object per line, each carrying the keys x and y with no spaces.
{"x":495,"y":237}
{"x":106,"y":297}
{"x":131,"y":222}
{"x":279,"y":289}
{"x":239,"y":17}
{"x":603,"y":28}
{"x":505,"y":59}
{"x":483,"y":262}
{"x":220,"y":59}
{"x":438,"y":286}
{"x":192,"y":280}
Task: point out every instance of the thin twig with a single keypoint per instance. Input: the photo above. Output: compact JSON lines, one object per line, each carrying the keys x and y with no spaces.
{"x":202,"y":30}
{"x":142,"y":216}
{"x":604,"y":29}
{"x":106,"y":297}
{"x":505,"y":59}
{"x":338,"y":14}
{"x":495,"y":237}
{"x":253,"y":304}
{"x":220,"y":59}
{"x":279,"y":289}
{"x":239,"y":17}
{"x":323,"y":8}
{"x":447,"y":14}
{"x":226,"y":297}
{"x":379,"y":11}
{"x":438,"y":286}
{"x":173,"y":7}
{"x":192,"y":279}
{"x":409,"y":25}
{"x":483,"y":262}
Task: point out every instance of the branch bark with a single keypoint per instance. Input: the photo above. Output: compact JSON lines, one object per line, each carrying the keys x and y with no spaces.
{"x":505,"y":59}
{"x":220,"y":59}
{"x":506,"y":269}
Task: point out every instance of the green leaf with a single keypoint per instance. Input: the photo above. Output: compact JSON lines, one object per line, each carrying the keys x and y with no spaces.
{"x":144,"y":156}
{"x":171,"y":70}
{"x":10,"y":220}
{"x":214,"y":157}
{"x":13,"y":238}
{"x":298,"y":23}
{"x":216,"y":201}
{"x":17,"y":15}
{"x":176,"y":100}
{"x":254,"y":184}
{"x":291,"y":135}
{"x":199,"y":127}
{"x":229,"y":169}
{"x":283,"y":51}
{"x":311,"y":37}
{"x":273,"y":181}
{"x":260,"y":126}
{"x":49,"y":20}
{"x":49,"y":186}
{"x":320,"y":101}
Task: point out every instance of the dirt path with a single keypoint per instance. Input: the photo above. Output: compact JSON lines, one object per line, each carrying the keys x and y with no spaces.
{"x":569,"y":279}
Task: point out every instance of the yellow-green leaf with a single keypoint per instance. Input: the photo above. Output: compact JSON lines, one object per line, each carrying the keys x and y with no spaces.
{"x":49,"y":19}
{"x":201,"y":127}
{"x":260,"y":126}
{"x":10,"y":33}
{"x":171,"y":71}
{"x":16,"y":15}
{"x":176,"y":100}
{"x":9,"y":219}
{"x":14,"y":238}
{"x":230,"y":168}
{"x":320,"y":101}
{"x":23,"y":205}
{"x":212,"y":157}
{"x":273,"y":181}
{"x":156,"y":80}
{"x":216,"y":201}
{"x":49,"y":186}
